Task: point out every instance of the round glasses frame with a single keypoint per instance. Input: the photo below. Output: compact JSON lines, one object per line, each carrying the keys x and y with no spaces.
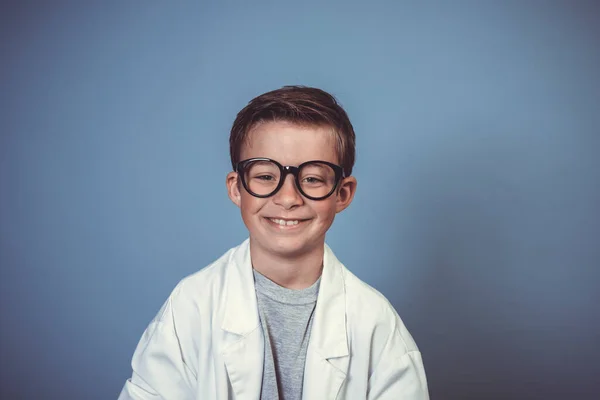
{"x":284,"y":171}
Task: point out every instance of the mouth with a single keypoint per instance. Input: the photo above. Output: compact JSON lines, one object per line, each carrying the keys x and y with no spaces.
{"x":284,"y":223}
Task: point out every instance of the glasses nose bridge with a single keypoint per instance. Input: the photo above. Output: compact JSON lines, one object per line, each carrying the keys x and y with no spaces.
{"x":285,"y":170}
{"x":289,"y":170}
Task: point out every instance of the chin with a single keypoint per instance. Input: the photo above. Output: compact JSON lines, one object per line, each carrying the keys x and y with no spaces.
{"x":284,"y":247}
{"x":288,"y":248}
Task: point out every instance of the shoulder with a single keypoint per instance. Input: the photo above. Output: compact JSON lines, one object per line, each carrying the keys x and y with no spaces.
{"x":370,"y":312}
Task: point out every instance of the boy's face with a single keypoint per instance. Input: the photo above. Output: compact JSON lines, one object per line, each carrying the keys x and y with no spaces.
{"x":289,"y":144}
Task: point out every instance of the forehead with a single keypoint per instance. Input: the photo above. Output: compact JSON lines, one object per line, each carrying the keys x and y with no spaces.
{"x":290,"y":144}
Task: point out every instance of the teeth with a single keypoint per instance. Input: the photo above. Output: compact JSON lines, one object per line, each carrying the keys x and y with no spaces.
{"x":283,"y":222}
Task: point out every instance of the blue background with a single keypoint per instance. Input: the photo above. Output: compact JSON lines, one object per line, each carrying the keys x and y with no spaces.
{"x":478,"y":206}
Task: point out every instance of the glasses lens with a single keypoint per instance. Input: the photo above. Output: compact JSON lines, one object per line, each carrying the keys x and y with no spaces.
{"x":316,"y":179}
{"x":261,"y":177}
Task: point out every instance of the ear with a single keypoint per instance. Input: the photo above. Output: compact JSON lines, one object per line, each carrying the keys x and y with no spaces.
{"x":233,"y":188}
{"x":345,"y":193}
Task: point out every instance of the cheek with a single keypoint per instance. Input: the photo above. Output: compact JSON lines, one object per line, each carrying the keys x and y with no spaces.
{"x":325,"y":210}
{"x":250,"y":204}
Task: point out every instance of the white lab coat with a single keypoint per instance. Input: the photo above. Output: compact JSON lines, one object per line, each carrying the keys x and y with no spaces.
{"x":207,"y":343}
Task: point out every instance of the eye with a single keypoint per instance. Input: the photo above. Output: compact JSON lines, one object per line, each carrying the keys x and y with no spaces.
{"x":312,"y":180}
{"x":265,"y":178}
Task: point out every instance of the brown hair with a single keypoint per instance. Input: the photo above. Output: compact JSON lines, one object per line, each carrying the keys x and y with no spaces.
{"x":297,"y":104}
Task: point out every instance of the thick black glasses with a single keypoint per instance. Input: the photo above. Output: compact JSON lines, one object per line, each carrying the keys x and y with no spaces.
{"x":263,"y":177}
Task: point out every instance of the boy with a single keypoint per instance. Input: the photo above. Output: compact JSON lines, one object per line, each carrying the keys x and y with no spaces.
{"x":279,"y":317}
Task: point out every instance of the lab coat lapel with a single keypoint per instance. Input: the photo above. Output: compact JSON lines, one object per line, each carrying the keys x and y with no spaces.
{"x":328,"y":357}
{"x":243,"y":347}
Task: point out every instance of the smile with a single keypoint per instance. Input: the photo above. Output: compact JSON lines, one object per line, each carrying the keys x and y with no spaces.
{"x":285,"y":223}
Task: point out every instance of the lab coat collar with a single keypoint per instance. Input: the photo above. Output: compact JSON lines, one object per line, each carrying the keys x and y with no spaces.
{"x":328,"y":336}
{"x":241,"y":311}
{"x":243,"y":344}
{"x":327,"y":358}
{"x":327,"y":355}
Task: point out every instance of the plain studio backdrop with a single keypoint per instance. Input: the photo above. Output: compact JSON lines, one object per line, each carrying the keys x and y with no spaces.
{"x":478,"y":204}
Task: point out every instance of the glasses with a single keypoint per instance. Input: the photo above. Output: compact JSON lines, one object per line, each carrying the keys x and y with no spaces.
{"x":263,"y":177}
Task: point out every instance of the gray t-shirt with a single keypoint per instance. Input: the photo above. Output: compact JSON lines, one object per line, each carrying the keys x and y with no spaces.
{"x":286,"y":318}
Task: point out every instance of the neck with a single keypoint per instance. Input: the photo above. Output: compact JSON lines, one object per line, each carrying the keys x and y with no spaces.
{"x":297,"y":272}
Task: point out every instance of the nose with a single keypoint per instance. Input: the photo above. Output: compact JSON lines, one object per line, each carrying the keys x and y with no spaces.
{"x":288,"y":196}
